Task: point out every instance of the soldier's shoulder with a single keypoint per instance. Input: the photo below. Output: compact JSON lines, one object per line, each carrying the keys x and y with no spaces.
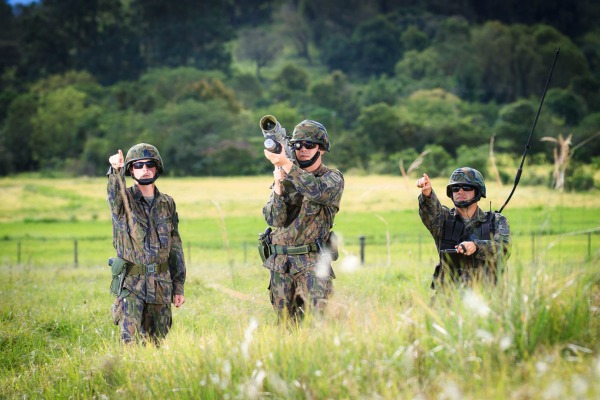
{"x":167,"y":199}
{"x":333,"y":172}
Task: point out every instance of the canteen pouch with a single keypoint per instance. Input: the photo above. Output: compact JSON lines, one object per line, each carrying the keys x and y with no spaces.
{"x":119,"y":272}
{"x":264,"y":241}
{"x":332,"y":245}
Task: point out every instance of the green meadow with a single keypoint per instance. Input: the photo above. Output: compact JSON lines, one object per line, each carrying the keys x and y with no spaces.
{"x":535,"y":336}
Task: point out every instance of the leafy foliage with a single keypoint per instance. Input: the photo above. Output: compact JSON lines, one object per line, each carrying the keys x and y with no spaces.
{"x":78,"y":80}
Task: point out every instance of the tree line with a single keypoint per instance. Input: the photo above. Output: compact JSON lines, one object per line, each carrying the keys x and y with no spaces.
{"x":390,"y":80}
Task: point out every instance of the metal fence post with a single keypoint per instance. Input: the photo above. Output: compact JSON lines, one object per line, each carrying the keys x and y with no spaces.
{"x":75,"y":252}
{"x":362,"y":249}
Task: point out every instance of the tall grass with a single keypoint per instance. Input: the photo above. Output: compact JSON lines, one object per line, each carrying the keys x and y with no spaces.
{"x":535,"y":336}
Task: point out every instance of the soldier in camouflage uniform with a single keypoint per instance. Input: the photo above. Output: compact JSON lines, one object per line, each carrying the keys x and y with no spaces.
{"x":473,"y":245}
{"x":305,"y":197}
{"x":146,"y":239}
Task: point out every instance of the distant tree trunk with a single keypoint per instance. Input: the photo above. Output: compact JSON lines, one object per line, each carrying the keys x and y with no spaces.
{"x":562,"y":155}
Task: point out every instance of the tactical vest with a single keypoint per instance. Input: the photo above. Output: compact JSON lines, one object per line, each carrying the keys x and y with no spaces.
{"x":455,"y":232}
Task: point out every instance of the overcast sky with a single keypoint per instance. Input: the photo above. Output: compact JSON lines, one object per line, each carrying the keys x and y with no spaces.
{"x":21,"y":1}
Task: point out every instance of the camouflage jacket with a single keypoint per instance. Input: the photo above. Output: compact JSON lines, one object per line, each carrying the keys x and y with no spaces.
{"x":152,"y":238}
{"x":494,"y":250}
{"x":303,"y":213}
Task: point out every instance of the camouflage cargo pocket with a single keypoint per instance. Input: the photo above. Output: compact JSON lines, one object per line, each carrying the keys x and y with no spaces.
{"x":116,"y":310}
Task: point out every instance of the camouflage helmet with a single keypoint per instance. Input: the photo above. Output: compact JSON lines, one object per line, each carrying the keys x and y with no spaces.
{"x":143,"y":151}
{"x":311,"y":131}
{"x":467,"y":176}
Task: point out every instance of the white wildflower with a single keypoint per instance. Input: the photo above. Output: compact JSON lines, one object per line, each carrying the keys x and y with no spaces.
{"x":350,"y":263}
{"x":450,"y":391}
{"x":554,"y":391}
{"x":248,"y":334}
{"x":505,"y":343}
{"x":485,"y":336}
{"x":476,"y":303}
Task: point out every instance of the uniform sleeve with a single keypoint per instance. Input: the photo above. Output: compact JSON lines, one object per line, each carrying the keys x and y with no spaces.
{"x":275,"y":211}
{"x":432,"y":213}
{"x":500,"y":245}
{"x":114,"y":192}
{"x":176,"y":259}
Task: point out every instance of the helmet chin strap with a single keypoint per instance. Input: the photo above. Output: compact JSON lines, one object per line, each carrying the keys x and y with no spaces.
{"x":467,"y":203}
{"x":148,"y":181}
{"x":308,"y":163}
{"x":464,"y":204}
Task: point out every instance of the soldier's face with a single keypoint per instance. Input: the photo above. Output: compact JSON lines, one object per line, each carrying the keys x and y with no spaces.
{"x":305,"y":154}
{"x":143,"y":169}
{"x":463,"y":195}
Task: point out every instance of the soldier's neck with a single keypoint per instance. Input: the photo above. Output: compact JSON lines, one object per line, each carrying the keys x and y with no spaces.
{"x":147,"y":190}
{"x":468,"y":212}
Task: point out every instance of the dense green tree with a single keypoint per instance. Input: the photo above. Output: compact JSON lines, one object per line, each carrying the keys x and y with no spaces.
{"x":261,"y":46}
{"x":335,"y":93}
{"x":437,"y":161}
{"x":587,"y":138}
{"x":58,"y":127}
{"x":17,"y":133}
{"x":96,"y":35}
{"x":9,"y":48}
{"x":290,"y":84}
{"x":377,"y":47}
{"x":338,"y":52}
{"x":513,"y":125}
{"x":184,"y":33}
{"x":382,"y":89}
{"x":474,"y":157}
{"x":566,"y":104}
{"x":296,"y":29}
{"x":414,"y":39}
{"x":422,"y":70}
{"x":381,"y":125}
{"x":336,"y":18}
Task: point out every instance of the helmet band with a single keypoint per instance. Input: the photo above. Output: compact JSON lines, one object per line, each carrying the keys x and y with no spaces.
{"x":308,"y":163}
{"x":147,"y":181}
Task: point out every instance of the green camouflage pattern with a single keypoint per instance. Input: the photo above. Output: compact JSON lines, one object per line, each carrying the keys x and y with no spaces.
{"x":152,"y":238}
{"x":468,"y":176}
{"x":143,"y":151}
{"x":293,"y":295}
{"x":303,"y":213}
{"x":138,"y":320}
{"x":492,"y":253}
{"x":311,"y":131}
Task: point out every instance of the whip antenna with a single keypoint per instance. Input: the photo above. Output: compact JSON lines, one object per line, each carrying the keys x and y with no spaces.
{"x":527,"y":146}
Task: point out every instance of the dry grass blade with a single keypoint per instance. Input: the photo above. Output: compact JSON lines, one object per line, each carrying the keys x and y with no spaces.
{"x":413,"y":166}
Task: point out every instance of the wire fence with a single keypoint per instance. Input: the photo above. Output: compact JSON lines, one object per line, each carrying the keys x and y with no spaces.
{"x":370,"y":250}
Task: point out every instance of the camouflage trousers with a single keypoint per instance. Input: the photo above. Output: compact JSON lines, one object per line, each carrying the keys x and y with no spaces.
{"x":139,"y":320}
{"x":297,"y":293}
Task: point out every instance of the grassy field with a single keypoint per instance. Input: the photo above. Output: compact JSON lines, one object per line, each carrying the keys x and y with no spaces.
{"x":537,"y":337}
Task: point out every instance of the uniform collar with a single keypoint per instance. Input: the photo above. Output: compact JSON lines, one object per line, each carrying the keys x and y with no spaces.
{"x":137,"y":193}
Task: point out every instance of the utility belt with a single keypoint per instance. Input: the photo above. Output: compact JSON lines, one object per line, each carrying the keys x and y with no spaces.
{"x":121,"y":268}
{"x":143,"y":269}
{"x":266,"y":248}
{"x":294,"y":250}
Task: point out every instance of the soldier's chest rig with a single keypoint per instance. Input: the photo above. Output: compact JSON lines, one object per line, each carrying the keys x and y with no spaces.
{"x":454,"y":231}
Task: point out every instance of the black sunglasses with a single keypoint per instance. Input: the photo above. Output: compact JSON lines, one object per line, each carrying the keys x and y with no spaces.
{"x":466,"y":188}
{"x":306,"y":145}
{"x":140,"y":164}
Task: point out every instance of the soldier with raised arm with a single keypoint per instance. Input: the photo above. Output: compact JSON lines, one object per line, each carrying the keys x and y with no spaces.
{"x":305,"y":198}
{"x":149,"y":268}
{"x":473,"y":245}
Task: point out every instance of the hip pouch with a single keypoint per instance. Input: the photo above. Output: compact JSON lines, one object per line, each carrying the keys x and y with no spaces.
{"x":118,"y":268}
{"x":264,"y":240}
{"x":332,"y":245}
